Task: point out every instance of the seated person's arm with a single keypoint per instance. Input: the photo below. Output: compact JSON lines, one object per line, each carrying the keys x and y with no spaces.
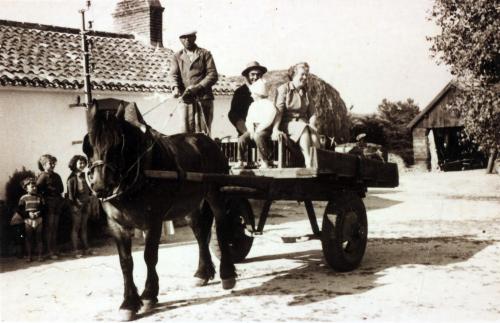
{"x":249,"y":126}
{"x":312,"y":122}
{"x":236,"y":114}
{"x":280,"y":106}
{"x":311,"y":112}
{"x":240,"y":126}
{"x":276,"y":124}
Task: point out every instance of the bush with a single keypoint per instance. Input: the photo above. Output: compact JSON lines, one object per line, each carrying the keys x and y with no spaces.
{"x":13,"y":189}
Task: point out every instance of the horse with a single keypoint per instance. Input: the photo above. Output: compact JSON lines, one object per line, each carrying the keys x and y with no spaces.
{"x":119,"y":151}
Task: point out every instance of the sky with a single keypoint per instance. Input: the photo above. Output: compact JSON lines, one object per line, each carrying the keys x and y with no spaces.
{"x":367,"y":49}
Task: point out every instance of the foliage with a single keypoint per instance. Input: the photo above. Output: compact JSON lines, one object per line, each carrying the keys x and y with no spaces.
{"x":479,"y":108}
{"x":395,"y":116}
{"x":371,"y":125}
{"x":470,"y":44}
{"x":388,"y":127}
{"x":13,"y":189}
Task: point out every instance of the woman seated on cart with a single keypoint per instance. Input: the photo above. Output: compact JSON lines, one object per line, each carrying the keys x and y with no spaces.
{"x":296,"y":115}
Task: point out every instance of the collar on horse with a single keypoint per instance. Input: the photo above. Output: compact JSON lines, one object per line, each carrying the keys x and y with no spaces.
{"x":138,"y":180}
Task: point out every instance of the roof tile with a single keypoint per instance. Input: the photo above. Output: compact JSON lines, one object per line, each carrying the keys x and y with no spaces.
{"x":49,"y":56}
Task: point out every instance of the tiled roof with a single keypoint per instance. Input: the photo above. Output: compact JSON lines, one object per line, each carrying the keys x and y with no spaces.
{"x":33,"y":55}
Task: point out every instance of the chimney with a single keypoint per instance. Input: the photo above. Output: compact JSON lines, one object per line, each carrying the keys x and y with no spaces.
{"x":143,"y":18}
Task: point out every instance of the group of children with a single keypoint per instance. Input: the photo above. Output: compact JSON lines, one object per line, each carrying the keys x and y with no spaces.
{"x":43,"y":203}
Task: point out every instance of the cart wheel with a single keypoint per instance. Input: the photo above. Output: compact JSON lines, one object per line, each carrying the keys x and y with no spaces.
{"x":240,"y":242}
{"x":344,"y":232}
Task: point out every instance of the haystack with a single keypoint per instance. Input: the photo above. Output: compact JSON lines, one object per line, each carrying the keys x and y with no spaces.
{"x":333,"y":120}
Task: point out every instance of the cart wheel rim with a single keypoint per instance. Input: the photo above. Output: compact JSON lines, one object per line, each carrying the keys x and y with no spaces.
{"x":353,"y":233}
{"x":344,"y":234}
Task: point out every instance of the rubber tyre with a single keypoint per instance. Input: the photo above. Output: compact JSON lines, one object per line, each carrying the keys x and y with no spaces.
{"x":344,"y":232}
{"x":241,"y":214}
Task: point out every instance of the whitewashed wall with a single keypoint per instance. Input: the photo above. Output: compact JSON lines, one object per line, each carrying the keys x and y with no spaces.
{"x":35,"y":122}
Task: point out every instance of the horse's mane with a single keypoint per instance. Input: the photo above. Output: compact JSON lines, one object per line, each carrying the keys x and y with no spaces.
{"x":106,"y":132}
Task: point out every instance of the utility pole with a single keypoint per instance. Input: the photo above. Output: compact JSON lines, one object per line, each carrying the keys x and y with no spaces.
{"x":86,"y":63}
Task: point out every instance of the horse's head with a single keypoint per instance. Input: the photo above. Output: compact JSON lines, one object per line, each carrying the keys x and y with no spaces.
{"x":111,"y":147}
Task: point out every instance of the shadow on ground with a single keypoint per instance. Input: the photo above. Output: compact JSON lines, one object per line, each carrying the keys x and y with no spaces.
{"x":313,"y":281}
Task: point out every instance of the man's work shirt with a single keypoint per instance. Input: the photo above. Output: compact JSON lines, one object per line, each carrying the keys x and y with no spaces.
{"x":198,"y":71}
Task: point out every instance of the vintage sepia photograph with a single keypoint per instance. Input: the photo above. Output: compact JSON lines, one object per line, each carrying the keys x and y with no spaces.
{"x":250,"y":161}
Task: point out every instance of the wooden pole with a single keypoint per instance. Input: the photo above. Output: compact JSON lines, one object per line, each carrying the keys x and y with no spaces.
{"x":86,"y":65}
{"x":491,"y":160}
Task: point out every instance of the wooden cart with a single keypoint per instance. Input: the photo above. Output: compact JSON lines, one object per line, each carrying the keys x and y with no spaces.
{"x":340,"y":179}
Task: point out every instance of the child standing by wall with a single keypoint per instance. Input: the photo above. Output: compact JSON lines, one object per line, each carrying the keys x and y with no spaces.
{"x":50,"y":186}
{"x":30,"y":207}
{"x":79,"y":197}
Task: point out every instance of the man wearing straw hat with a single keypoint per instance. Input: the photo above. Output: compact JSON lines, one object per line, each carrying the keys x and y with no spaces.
{"x":194,"y":73}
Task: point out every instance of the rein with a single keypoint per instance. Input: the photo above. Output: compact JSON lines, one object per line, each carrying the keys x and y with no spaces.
{"x":117,"y":192}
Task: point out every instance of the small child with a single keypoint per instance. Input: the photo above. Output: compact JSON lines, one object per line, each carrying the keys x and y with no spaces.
{"x":260,"y":118}
{"x":79,"y":197}
{"x":30,"y":206}
{"x":50,"y":186}
{"x":17,"y":233}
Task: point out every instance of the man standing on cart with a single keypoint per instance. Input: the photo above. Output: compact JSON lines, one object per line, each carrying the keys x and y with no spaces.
{"x":194,"y":73}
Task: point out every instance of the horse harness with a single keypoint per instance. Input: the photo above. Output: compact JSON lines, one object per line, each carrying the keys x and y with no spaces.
{"x":147,"y":155}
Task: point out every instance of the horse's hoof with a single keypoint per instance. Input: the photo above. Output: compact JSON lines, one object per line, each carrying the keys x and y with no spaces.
{"x":126,"y":315}
{"x":148,"y":305}
{"x":200,"y":282}
{"x":228,"y":283}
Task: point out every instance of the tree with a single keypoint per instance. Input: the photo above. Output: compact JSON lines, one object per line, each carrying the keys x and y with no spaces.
{"x":395,"y":117}
{"x":371,"y":125}
{"x":469,"y":43}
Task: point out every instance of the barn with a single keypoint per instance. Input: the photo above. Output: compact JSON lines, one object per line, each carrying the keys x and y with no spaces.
{"x":438,"y":138}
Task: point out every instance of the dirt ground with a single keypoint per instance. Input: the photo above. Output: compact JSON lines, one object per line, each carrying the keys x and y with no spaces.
{"x":432,"y":256}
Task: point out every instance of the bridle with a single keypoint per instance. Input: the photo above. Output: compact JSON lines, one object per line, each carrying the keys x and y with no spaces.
{"x":117,"y":191}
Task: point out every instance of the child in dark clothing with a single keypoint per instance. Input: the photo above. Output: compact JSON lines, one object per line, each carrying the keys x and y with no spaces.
{"x":17,"y":233}
{"x":79,"y":196}
{"x":50,"y":187}
{"x":30,"y":207}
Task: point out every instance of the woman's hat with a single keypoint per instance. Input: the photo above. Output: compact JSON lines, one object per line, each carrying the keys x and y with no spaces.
{"x":26,"y":181}
{"x":259,"y":88}
{"x":254,"y":66}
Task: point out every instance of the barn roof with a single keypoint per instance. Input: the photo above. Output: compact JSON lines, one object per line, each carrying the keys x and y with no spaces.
{"x":431,"y":105}
{"x":43,"y":56}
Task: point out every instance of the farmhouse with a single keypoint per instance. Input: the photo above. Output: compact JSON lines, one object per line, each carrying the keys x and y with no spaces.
{"x":41,"y":80}
{"x":438,"y":139}
{"x":41,"y":84}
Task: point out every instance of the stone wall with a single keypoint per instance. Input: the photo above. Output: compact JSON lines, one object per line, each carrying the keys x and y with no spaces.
{"x":421,"y":148}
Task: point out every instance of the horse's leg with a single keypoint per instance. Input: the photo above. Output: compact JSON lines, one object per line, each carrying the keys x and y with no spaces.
{"x":149,"y":296}
{"x":223,"y":227}
{"x":200,"y":222}
{"x":131,"y":301}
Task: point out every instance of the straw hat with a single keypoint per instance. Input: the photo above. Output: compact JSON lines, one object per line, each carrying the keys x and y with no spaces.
{"x":254,"y":66}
